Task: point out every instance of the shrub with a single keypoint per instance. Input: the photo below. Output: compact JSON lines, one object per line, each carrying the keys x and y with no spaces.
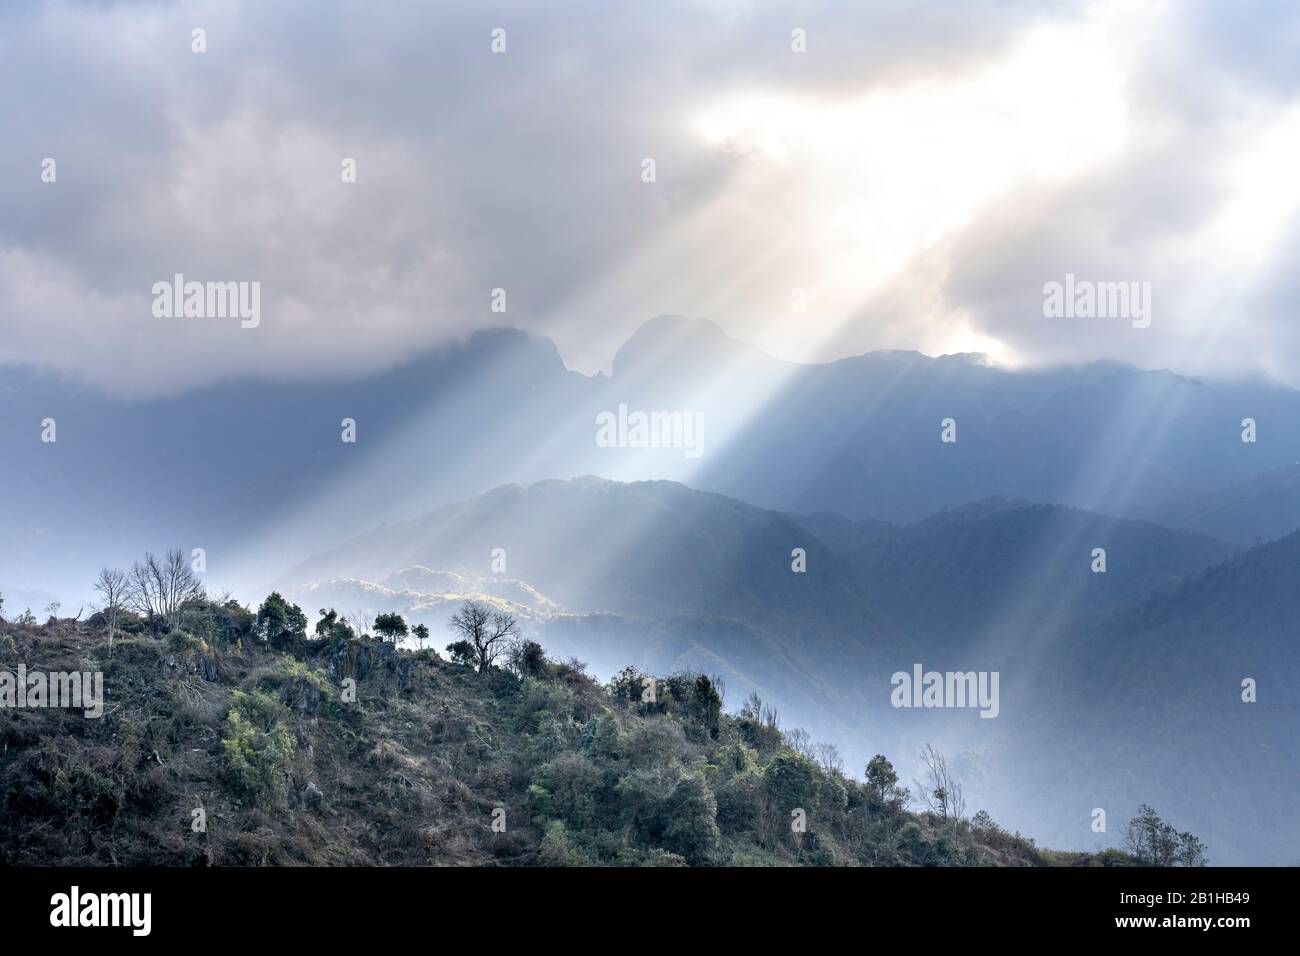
{"x":558,"y":849}
{"x":259,"y":749}
{"x":180,"y":642}
{"x":573,"y":784}
{"x":691,"y":820}
{"x":791,"y":780}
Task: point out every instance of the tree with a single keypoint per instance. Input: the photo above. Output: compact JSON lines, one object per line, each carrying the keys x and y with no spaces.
{"x":690,"y":815}
{"x":528,"y":659}
{"x":705,"y":705}
{"x":331,"y":627}
{"x":421,"y":633}
{"x":279,"y":623}
{"x":828,"y":758}
{"x":1153,"y":842}
{"x":113,"y":587}
{"x":361,"y":622}
{"x":940,"y":791}
{"x":391,"y":626}
{"x":159,"y":588}
{"x":483,"y":634}
{"x":1191,"y":851}
{"x":882,"y":783}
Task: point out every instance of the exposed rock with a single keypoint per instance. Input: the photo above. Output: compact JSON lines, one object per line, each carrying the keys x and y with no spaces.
{"x":312,"y":795}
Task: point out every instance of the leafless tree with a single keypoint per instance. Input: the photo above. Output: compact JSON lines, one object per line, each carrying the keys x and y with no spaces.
{"x":828,"y":758}
{"x":800,"y":741}
{"x":160,"y":587}
{"x":765,"y":715}
{"x":720,"y":685}
{"x":771,"y":716}
{"x":940,"y":792}
{"x":486,"y":631}
{"x":362,"y":622}
{"x":113,"y":586}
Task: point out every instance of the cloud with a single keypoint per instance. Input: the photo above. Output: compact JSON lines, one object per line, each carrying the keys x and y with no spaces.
{"x":918,"y":174}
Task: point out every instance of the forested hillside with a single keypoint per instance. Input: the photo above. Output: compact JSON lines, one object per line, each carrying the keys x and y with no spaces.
{"x":234,"y":738}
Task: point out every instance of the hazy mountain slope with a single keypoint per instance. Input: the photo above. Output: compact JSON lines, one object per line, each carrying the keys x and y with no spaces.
{"x":990,"y":586}
{"x":644,"y":548}
{"x":1261,"y":509}
{"x":251,"y":469}
{"x":1155,"y":689}
{"x":256,"y":472}
{"x":999,"y":565}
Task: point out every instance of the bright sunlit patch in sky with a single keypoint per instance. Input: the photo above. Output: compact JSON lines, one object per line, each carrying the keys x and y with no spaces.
{"x":871,"y":181}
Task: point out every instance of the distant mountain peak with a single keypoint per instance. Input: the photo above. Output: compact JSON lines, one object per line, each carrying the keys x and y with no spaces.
{"x":677,"y":341}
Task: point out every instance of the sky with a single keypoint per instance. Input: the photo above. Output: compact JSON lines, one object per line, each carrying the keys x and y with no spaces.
{"x":828,"y":179}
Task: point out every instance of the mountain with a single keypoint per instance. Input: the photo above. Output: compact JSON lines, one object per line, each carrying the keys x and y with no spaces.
{"x":258,"y":476}
{"x":659,"y":549}
{"x":430,"y":764}
{"x":996,"y":567}
{"x":998,"y":585}
{"x":1245,"y":514}
{"x":638,"y":548}
{"x":1169,"y":670}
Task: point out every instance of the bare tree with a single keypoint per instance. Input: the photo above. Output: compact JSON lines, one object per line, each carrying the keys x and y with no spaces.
{"x":720,"y":685}
{"x":765,"y":715}
{"x":361,"y":622}
{"x":940,"y":792}
{"x":800,"y":741}
{"x":484,"y":632}
{"x":114,"y":587}
{"x":159,"y":588}
{"x":828,"y":758}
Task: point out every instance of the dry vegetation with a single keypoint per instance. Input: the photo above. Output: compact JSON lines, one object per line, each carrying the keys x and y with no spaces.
{"x":246,"y":718}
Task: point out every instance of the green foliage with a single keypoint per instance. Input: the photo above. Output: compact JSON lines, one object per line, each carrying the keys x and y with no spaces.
{"x":391,"y":626}
{"x":302,"y":688}
{"x":790,"y":779}
{"x":331,"y":628}
{"x":1153,"y":842}
{"x":259,"y":749}
{"x":924,"y":847}
{"x":558,"y":848}
{"x":463,"y":653}
{"x":883,"y":792}
{"x":598,"y":774}
{"x":528,"y":659}
{"x":279,"y":623}
{"x":571,"y":786}
{"x":181,"y":642}
{"x":691,"y":820}
{"x":704,"y":706}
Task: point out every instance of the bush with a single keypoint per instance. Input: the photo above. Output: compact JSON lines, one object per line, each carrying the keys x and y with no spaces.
{"x":558,"y":848}
{"x":791,"y":780}
{"x":181,"y":642}
{"x":691,"y":820}
{"x":259,"y":749}
{"x":573,"y":785}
